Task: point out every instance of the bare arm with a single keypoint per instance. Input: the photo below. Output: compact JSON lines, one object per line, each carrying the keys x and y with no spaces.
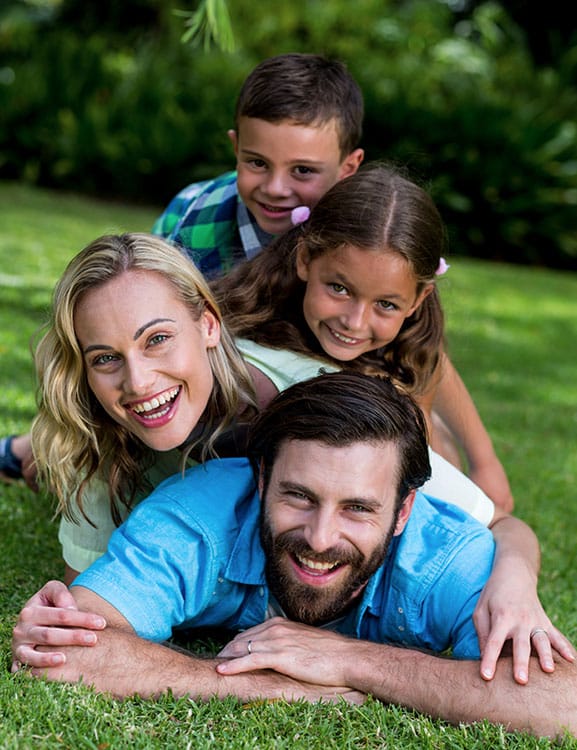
{"x":509,"y":606}
{"x":443,"y":688}
{"x":454,"y":405}
{"x":123,"y":664}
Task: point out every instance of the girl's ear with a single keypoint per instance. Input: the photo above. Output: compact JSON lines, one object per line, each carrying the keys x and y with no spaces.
{"x":302,"y":262}
{"x":405,"y":512}
{"x":423,"y":294}
{"x":210,"y":326}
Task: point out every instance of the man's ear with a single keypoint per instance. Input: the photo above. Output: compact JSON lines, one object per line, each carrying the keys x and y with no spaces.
{"x":233,"y":138}
{"x":351,"y":163}
{"x":405,"y":512}
{"x":302,"y":262}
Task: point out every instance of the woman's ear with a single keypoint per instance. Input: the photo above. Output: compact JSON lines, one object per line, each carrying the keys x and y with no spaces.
{"x":210,"y":326}
{"x":302,"y":262}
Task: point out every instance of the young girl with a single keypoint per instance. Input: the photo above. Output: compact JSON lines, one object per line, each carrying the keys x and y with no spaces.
{"x":354,"y":286}
{"x":134,"y":360}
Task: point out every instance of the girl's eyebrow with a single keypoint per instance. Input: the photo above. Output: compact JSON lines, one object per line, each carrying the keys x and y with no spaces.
{"x":137,"y":335}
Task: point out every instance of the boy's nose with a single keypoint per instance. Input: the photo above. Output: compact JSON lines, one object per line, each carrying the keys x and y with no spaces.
{"x":277,"y":185}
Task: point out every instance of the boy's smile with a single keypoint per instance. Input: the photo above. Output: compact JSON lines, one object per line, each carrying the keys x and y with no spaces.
{"x":283,"y":165}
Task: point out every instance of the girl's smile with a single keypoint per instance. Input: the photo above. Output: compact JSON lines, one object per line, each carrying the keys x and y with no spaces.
{"x":356,"y":300}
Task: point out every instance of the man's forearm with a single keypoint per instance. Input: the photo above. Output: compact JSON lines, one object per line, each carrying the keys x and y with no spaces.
{"x":453,"y":690}
{"x":123,"y":664}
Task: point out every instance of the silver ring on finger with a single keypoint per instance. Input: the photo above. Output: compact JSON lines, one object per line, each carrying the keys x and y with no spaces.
{"x":536,"y":631}
{"x":249,"y":646}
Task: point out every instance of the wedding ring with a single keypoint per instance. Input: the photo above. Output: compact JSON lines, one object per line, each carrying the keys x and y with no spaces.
{"x":249,"y":647}
{"x":538,"y":630}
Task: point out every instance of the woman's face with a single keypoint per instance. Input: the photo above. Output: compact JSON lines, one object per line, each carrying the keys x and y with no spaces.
{"x":357,"y":300}
{"x":146,"y":357}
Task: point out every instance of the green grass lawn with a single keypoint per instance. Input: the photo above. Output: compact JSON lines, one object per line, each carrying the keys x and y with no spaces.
{"x":513,"y":336}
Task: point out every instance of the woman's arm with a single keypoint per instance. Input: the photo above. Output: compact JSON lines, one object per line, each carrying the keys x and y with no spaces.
{"x":509,"y":607}
{"x":454,"y":405}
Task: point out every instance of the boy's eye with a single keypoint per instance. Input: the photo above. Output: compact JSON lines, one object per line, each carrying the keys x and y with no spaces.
{"x":386,"y":305}
{"x":303,"y":171}
{"x":257,"y":163}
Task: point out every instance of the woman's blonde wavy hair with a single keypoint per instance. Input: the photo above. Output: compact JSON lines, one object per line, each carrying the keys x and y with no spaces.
{"x":73,"y":438}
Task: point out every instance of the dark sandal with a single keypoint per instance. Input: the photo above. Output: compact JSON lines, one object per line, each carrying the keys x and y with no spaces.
{"x":10,"y":466}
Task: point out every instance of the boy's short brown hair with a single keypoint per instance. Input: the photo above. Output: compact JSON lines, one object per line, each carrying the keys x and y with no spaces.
{"x":309,"y":89}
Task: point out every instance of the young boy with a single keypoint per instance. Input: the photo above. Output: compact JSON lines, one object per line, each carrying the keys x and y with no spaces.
{"x":298,"y":123}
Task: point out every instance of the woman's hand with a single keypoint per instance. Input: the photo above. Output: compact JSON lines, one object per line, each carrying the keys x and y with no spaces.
{"x":510,"y":610}
{"x":51,"y":618}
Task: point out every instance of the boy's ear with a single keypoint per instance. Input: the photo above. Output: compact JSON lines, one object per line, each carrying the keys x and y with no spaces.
{"x":302,"y":262}
{"x":233,"y":138}
{"x":351,"y":163}
{"x":405,"y":512}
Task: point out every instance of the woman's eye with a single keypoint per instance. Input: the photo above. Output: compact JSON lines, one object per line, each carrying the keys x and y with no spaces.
{"x":104,"y":359}
{"x":159,"y":338}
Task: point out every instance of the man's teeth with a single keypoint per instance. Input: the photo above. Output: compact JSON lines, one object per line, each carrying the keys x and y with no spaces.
{"x":154,"y":403}
{"x":315,"y":565}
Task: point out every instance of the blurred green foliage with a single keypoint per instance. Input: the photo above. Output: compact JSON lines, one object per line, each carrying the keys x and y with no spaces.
{"x":115,"y":104}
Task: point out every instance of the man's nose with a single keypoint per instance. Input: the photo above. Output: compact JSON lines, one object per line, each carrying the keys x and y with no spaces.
{"x":321,"y":532}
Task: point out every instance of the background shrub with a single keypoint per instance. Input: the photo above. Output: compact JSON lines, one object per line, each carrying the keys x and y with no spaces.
{"x":113,"y":104}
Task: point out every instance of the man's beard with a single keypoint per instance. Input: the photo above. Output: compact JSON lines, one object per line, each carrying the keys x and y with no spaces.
{"x":315,"y":605}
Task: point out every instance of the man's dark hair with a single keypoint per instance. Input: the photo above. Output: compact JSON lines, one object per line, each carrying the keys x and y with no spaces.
{"x":308,"y":89}
{"x":341,"y":409}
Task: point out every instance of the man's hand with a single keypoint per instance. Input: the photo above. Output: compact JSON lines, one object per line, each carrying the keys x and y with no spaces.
{"x":304,"y":653}
{"x":51,"y":618}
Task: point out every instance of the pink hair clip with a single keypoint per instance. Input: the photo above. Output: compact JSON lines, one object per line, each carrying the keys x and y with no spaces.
{"x":300,"y":214}
{"x":442,"y":268}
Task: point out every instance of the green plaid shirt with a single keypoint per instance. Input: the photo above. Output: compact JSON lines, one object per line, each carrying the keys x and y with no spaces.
{"x":212,"y":225}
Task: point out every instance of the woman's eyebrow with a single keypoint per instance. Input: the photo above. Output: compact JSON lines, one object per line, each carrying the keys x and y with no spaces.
{"x":143,"y":328}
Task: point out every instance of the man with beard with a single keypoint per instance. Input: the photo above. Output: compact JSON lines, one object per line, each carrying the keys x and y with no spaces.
{"x":341,"y":559}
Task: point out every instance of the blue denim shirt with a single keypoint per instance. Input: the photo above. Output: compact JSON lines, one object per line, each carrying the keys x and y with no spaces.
{"x":190,"y":556}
